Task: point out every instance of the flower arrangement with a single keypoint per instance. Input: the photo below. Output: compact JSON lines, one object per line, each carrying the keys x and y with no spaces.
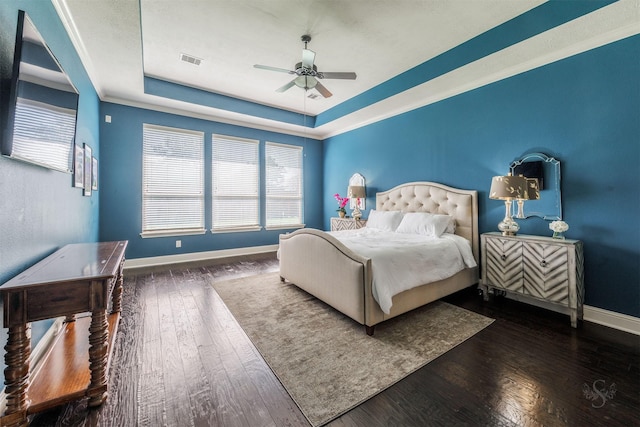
{"x":558,"y":228}
{"x":342,"y":202}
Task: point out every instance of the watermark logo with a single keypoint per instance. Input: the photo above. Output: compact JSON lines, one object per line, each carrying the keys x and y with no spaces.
{"x":598,"y":393}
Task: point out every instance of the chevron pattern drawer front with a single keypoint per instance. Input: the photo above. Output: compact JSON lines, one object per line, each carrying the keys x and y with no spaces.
{"x":537,"y":267}
{"x":545,"y":271}
{"x":504,"y":264}
{"x":339,"y":224}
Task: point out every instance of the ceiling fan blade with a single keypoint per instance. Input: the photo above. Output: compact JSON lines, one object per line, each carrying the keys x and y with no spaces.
{"x":308,"y":56}
{"x":345,"y":75}
{"x":287,"y":86}
{"x":266,"y":67}
{"x":323,"y":90}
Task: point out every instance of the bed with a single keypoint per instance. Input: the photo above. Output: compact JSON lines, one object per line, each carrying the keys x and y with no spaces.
{"x":319,"y":263}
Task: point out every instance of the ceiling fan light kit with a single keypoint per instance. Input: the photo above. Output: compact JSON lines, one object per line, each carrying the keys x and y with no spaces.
{"x":305,"y":82}
{"x":307,"y":72}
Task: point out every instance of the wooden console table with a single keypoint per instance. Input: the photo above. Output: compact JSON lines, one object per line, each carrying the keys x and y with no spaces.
{"x":78,"y":278}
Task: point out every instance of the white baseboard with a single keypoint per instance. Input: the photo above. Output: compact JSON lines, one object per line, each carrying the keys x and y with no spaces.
{"x":612,"y":319}
{"x":197,"y":256}
{"x":38,"y":353}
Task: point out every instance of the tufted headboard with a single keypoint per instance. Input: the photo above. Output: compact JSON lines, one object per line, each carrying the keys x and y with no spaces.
{"x":436,"y":198}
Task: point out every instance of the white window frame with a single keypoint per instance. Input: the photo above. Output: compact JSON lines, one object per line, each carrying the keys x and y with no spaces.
{"x":186,"y":184}
{"x":273,"y":194}
{"x":240,"y":159}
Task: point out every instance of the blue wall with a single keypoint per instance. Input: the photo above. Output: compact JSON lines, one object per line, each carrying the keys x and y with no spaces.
{"x":121,"y":182}
{"x":41,"y":211}
{"x":584,"y":111}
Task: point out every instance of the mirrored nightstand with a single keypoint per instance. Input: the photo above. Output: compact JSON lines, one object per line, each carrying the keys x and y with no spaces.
{"x":339,"y":224}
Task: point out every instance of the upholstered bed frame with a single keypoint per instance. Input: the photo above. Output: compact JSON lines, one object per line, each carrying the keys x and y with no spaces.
{"x":321,"y":265}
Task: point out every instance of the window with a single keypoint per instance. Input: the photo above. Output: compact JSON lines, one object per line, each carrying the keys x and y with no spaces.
{"x":235,"y":173}
{"x":172,"y":181}
{"x":283,"y":185}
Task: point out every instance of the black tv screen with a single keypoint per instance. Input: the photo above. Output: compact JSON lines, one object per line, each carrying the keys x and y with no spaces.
{"x":41,"y":106}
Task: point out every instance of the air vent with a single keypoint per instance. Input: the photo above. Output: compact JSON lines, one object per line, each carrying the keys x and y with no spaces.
{"x":313,"y":96}
{"x":190,"y":59}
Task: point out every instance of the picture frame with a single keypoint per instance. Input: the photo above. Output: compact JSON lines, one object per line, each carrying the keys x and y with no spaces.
{"x":94,"y":174}
{"x":78,"y":166}
{"x":87,"y":169}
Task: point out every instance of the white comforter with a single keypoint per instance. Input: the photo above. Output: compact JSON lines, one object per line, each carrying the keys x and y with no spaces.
{"x":403,"y":261}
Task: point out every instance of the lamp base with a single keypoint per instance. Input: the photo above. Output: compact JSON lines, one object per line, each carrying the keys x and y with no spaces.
{"x":520,"y":213}
{"x":356,"y":213}
{"x":508,"y":227}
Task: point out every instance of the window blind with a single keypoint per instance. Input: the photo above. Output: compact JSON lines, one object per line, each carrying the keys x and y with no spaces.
{"x":51,"y":148}
{"x":235,"y":172}
{"x":173,"y":180}
{"x":283,"y":185}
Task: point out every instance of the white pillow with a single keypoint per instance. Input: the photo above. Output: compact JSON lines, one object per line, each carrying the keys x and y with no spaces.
{"x":451,"y":228}
{"x":424,"y":223}
{"x":384,"y":220}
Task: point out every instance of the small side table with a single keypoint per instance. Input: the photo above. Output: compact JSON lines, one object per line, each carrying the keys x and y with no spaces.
{"x":339,"y":224}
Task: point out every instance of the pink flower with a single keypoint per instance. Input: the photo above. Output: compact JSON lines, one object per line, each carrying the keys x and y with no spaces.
{"x":342,"y":201}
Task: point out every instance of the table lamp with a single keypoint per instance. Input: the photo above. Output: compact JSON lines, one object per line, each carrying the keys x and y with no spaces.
{"x":508,"y":188}
{"x":356,"y":192}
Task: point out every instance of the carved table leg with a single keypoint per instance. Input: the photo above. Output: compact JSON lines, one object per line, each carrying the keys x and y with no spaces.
{"x":98,"y":341}
{"x":16,"y":375}
{"x":116,"y":296}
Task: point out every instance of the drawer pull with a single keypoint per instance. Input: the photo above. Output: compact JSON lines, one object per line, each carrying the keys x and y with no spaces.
{"x":503,"y":257}
{"x":543,"y":263}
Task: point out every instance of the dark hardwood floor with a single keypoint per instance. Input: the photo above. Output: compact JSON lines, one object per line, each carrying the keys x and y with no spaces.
{"x":181,"y":360}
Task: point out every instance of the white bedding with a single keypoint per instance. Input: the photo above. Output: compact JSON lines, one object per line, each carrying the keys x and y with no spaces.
{"x":402,"y":261}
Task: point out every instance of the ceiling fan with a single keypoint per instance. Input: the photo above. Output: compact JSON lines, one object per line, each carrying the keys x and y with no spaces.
{"x":307,"y":73}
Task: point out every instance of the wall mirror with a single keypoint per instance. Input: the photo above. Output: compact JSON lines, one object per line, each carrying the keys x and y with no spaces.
{"x":41,"y":104}
{"x":547,"y":170}
{"x":356,"y":181}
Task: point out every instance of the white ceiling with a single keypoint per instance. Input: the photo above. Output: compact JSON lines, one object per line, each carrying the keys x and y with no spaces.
{"x":121,"y":42}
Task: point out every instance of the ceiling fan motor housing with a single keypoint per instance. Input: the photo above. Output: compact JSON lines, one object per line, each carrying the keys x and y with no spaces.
{"x":304,"y":71}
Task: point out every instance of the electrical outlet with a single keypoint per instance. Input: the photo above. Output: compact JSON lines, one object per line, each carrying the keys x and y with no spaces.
{"x":107,"y":118}
{"x":178,"y":243}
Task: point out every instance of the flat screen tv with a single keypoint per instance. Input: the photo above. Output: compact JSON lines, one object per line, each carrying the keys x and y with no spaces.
{"x":40,"y":104}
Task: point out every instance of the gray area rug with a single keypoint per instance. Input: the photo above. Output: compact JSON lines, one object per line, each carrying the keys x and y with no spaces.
{"x":324,"y":359}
